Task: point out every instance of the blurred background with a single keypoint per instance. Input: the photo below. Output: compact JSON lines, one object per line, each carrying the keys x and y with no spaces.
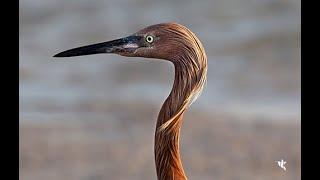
{"x":93,"y":117}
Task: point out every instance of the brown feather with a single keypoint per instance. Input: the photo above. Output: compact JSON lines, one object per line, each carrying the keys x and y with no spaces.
{"x":180,"y":46}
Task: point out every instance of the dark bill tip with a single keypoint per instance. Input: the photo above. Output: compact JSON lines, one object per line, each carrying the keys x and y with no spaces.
{"x":85,"y":50}
{"x":63,"y":54}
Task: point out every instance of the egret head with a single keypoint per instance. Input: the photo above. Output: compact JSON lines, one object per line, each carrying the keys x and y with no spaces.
{"x":162,"y":41}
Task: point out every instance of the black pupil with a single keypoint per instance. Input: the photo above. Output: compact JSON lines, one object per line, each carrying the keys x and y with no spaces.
{"x":149,"y":38}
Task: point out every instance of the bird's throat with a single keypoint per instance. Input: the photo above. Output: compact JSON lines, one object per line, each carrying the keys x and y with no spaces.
{"x":167,"y":154}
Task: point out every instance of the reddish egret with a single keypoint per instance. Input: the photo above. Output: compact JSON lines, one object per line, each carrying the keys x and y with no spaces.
{"x":177,"y":44}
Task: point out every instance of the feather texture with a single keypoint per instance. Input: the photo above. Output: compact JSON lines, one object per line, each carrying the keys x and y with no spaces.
{"x":190,"y":62}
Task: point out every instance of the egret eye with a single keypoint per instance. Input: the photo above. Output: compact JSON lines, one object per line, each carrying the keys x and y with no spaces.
{"x":149,"y":39}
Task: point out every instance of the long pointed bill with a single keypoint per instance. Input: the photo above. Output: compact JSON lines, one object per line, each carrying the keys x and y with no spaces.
{"x":123,"y":45}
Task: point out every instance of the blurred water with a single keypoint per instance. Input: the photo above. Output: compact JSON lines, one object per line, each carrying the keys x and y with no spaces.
{"x":253,"y":49}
